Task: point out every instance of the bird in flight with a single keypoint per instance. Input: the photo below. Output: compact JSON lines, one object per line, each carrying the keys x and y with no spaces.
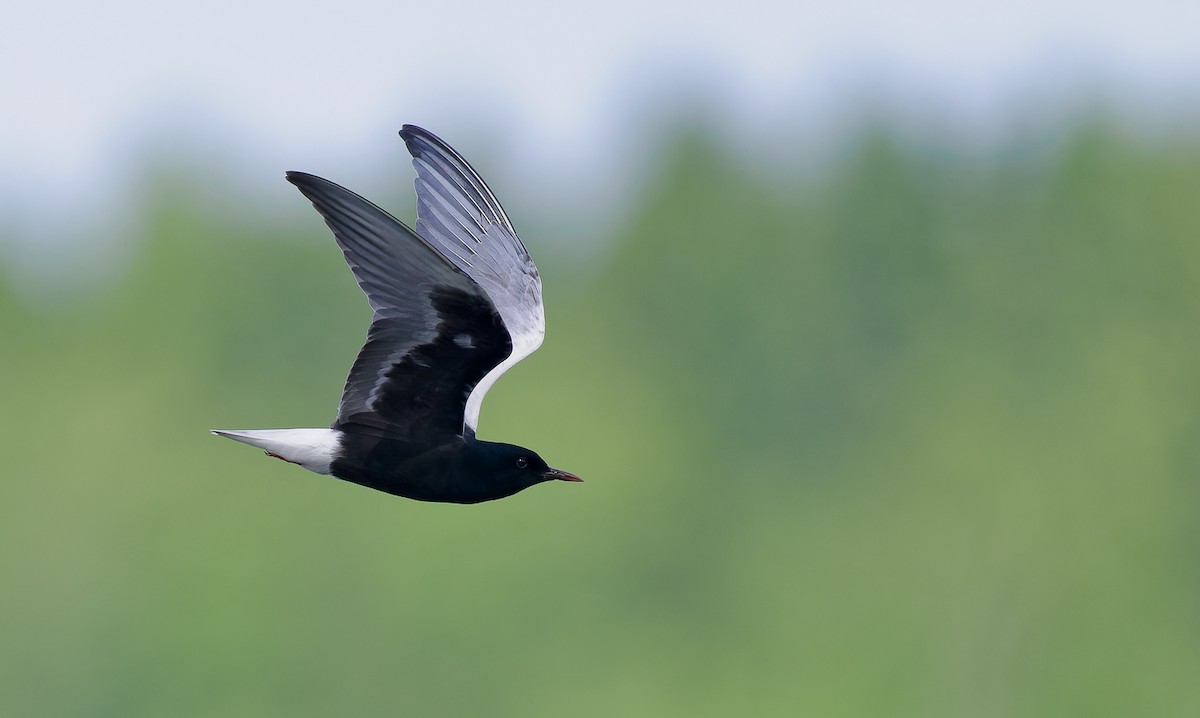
{"x":457,"y":302}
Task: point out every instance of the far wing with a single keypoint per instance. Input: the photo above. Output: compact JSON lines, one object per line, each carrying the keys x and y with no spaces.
{"x":457,"y":213}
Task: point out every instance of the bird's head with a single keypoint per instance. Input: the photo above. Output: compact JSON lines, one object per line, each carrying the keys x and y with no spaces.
{"x":515,"y":467}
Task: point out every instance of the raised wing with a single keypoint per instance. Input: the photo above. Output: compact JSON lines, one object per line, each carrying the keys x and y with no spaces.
{"x":435,"y":334}
{"x":458,"y":214}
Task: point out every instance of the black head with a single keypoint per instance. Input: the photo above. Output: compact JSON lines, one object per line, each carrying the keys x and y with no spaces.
{"x":507,"y":469}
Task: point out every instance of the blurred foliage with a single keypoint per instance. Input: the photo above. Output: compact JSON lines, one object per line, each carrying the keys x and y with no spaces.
{"x":915,"y":439}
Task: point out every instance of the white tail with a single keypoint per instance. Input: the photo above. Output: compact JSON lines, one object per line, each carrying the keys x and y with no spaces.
{"x":314,"y":449}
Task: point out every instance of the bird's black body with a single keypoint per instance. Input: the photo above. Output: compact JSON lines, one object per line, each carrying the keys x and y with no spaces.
{"x":456,"y":302}
{"x":461,"y":471}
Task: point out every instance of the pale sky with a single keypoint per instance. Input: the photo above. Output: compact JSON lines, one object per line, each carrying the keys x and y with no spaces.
{"x":553,"y":90}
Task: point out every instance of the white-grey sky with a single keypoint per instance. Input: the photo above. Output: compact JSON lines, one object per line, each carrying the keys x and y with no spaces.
{"x":90,"y":88}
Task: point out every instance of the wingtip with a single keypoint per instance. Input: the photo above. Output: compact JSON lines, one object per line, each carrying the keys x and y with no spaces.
{"x":412,"y":134}
{"x":297,"y":177}
{"x":308,"y":184}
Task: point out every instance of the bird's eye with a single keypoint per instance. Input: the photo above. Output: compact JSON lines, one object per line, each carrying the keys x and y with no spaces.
{"x":522,"y":462}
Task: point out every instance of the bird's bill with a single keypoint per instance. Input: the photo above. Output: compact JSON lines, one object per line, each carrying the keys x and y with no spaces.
{"x":560,"y":475}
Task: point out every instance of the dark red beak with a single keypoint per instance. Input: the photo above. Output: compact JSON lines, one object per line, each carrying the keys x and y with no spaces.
{"x":560,"y":475}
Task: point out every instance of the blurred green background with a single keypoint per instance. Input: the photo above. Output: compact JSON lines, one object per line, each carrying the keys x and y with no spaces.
{"x":915,"y":435}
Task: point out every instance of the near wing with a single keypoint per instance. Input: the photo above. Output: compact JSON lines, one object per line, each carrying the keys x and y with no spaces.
{"x":435,"y":334}
{"x":457,"y":213}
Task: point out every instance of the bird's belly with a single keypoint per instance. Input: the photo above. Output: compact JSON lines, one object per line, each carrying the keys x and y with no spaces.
{"x":409,"y":469}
